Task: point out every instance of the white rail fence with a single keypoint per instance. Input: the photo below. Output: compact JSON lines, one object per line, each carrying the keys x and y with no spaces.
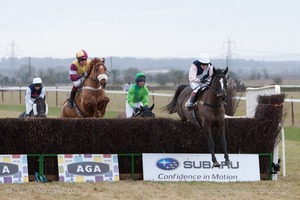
{"x":68,"y":89}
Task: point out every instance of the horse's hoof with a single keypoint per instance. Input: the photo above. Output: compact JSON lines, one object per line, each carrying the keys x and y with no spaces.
{"x":228,"y":162}
{"x":216,"y":164}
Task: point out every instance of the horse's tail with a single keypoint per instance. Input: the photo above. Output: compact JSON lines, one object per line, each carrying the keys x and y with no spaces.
{"x":172,"y":106}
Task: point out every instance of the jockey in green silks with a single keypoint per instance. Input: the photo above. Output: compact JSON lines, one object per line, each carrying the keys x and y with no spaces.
{"x":138,"y":95}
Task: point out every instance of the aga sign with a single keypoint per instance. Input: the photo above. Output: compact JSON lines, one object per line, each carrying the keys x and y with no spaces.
{"x":88,"y":167}
{"x":13,"y":168}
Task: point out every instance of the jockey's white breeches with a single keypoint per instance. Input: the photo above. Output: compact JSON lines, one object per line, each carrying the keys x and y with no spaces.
{"x":129,"y":110}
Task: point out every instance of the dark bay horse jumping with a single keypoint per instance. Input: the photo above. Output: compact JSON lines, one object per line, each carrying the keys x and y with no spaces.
{"x":145,"y":111}
{"x":91,"y":100}
{"x":40,"y":108}
{"x":209,"y":112}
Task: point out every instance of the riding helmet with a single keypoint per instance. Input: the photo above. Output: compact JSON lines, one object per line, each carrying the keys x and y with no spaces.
{"x":37,"y":81}
{"x":82,"y":54}
{"x":139,"y":76}
{"x":204,"y":58}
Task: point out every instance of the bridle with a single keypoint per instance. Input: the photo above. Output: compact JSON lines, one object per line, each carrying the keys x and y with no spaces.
{"x":220,"y":92}
{"x":95,"y":79}
{"x":144,"y":112}
{"x":40,"y":104}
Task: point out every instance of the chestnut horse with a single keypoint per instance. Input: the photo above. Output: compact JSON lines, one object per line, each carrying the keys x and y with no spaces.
{"x":209,"y":113}
{"x":91,"y":100}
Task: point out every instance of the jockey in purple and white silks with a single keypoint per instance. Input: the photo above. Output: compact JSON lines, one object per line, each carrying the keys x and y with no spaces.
{"x":200,"y":74}
{"x":78,"y":72}
{"x":34,"y":90}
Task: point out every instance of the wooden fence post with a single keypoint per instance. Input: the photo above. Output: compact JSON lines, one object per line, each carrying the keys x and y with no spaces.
{"x":56,"y":97}
{"x":292,"y":107}
{"x":20,"y":95}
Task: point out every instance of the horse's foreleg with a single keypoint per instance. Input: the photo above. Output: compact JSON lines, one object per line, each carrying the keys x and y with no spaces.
{"x":95,"y":110}
{"x":102,"y":105}
{"x":211,"y":146}
{"x":224,"y":146}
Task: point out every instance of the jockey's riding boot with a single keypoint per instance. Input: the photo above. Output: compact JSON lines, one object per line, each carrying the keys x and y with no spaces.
{"x":190,"y":104}
{"x":71,"y":99}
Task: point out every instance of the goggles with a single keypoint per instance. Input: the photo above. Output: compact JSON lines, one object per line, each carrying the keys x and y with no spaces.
{"x":141,"y":79}
{"x":82,"y":59}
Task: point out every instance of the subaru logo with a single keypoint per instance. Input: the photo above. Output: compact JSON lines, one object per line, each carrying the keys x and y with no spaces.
{"x":167,"y":163}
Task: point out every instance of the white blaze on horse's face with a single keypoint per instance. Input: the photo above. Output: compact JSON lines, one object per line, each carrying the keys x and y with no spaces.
{"x":102,"y":76}
{"x":222,"y":83}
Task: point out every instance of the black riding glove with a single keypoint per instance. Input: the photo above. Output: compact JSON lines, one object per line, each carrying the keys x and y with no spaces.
{"x":85,"y":74}
{"x":203,"y":81}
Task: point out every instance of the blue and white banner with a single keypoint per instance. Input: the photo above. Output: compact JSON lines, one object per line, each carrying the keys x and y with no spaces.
{"x":198,"y":167}
{"x":13,"y":168}
{"x":88,"y":167}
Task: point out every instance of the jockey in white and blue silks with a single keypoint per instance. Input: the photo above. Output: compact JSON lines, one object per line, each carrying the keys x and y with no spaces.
{"x":34,"y":90}
{"x":200,"y":75}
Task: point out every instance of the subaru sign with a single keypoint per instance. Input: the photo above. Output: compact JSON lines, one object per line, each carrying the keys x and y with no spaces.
{"x":199,"y":167}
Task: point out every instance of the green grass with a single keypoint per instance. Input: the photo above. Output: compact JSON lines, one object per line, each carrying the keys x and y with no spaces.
{"x":292,"y":133}
{"x":19,"y":108}
{"x":53,"y":112}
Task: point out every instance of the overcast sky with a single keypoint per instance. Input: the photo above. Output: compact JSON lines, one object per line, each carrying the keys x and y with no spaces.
{"x":154,"y":28}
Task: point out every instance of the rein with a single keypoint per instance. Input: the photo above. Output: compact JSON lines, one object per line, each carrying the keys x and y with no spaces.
{"x":96,"y":80}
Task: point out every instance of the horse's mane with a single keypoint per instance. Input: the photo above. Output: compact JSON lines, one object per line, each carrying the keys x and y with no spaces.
{"x":145,"y":111}
{"x":217,"y":71}
{"x":98,"y":60}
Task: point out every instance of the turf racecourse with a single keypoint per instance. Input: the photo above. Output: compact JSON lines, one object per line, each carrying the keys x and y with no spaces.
{"x":284,"y":188}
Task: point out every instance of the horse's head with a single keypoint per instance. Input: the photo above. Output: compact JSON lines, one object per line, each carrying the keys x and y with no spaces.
{"x":98,"y":71}
{"x":145,"y":111}
{"x":219,"y":83}
{"x":41,"y":107}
